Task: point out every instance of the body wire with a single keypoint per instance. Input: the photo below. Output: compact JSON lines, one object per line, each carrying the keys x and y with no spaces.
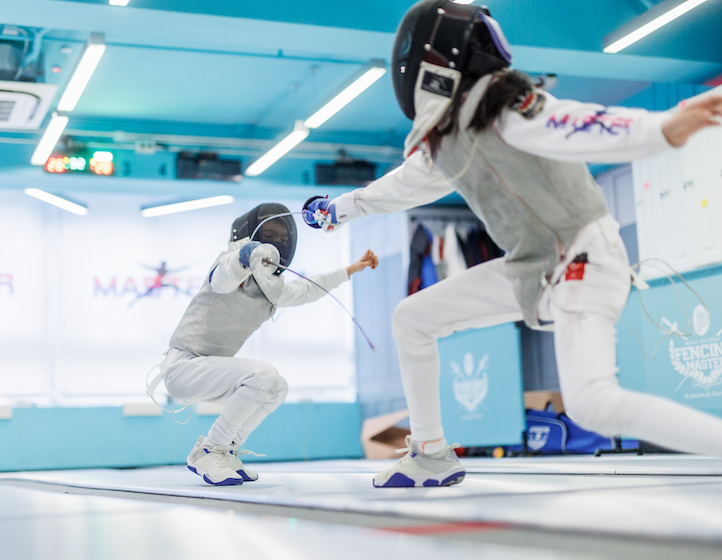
{"x":271,"y":263}
{"x":172,"y":410}
{"x":667,"y":333}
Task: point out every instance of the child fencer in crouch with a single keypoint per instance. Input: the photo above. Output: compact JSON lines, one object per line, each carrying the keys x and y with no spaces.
{"x":239,"y":293}
{"x":517,"y":156}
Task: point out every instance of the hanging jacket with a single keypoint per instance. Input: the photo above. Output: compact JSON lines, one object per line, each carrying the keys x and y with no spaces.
{"x":422,"y":271}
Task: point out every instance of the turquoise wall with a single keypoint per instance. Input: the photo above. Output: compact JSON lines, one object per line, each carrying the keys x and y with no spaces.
{"x":663,"y":96}
{"x":71,"y":438}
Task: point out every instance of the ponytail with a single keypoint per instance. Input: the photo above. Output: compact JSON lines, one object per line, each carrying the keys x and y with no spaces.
{"x":506,"y":88}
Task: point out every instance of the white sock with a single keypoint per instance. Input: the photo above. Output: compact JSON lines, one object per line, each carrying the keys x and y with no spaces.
{"x":431,"y":447}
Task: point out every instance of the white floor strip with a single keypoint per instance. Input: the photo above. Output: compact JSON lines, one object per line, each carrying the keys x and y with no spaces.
{"x":675,"y":497}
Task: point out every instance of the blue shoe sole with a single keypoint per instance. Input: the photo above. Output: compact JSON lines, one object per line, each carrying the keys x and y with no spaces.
{"x":399,"y":480}
{"x":226,"y":482}
{"x":246,"y":478}
{"x":453,"y":479}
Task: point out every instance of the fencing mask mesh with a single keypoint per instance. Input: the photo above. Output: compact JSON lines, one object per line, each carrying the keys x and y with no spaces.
{"x":277,"y":228}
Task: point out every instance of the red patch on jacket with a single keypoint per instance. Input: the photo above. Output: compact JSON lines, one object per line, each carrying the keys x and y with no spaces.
{"x":531,"y":105}
{"x":575,"y":270}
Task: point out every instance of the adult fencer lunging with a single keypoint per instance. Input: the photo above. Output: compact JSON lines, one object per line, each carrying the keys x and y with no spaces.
{"x":516,"y":155}
{"x":242,"y":290}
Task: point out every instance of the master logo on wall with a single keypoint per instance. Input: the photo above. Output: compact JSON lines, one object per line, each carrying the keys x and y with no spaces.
{"x":471,"y":381}
{"x":7,"y":286}
{"x":698,"y":358}
{"x":149,"y":287}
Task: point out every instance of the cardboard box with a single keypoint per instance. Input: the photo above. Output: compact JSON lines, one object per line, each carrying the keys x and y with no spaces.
{"x":380,"y":437}
{"x":539,"y":400}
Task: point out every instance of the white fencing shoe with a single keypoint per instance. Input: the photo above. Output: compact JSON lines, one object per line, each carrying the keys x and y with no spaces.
{"x":213,"y":464}
{"x":238,"y":466}
{"x":417,"y":469}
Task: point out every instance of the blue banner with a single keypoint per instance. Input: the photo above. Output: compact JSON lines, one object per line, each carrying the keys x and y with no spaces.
{"x":482,"y":401}
{"x":678,"y":353}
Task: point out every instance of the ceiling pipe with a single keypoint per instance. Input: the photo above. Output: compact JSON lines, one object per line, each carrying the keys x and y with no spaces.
{"x":33,"y":55}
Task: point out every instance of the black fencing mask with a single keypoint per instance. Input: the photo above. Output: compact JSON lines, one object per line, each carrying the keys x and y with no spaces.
{"x":461,"y":37}
{"x":277,"y":227}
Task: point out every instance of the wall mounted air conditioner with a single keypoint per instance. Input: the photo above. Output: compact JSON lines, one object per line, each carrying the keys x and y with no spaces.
{"x":23,"y":105}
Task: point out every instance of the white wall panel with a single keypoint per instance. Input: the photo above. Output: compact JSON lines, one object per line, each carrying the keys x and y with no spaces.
{"x":84,"y":313}
{"x":111,"y":333}
{"x":679,"y":206}
{"x":27,"y":284}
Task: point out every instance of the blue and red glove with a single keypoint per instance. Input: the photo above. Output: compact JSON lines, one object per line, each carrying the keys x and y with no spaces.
{"x":319,"y":212}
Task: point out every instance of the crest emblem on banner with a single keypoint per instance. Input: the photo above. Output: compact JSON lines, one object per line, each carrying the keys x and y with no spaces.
{"x":471,"y":382}
{"x":698,"y":359}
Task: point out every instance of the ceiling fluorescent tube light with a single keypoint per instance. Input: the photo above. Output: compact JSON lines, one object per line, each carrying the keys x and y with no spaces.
{"x":94,"y":49}
{"x":60,"y":202}
{"x":350,"y":93}
{"x":163,"y":209}
{"x":299,"y":134}
{"x":301,"y":129}
{"x":118,"y":2}
{"x":641,"y":26}
{"x":49,"y":139}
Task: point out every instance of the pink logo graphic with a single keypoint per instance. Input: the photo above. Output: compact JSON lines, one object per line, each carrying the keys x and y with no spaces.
{"x":7,"y":285}
{"x":164,"y":280}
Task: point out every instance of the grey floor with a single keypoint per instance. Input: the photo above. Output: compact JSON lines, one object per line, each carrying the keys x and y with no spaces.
{"x":623,"y":506}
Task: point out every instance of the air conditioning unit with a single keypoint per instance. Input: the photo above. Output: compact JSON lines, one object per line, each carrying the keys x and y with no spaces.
{"x":207,"y":166}
{"x":346,"y":172}
{"x":23,"y":105}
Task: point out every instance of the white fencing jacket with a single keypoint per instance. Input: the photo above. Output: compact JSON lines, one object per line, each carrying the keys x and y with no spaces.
{"x":524,"y":177}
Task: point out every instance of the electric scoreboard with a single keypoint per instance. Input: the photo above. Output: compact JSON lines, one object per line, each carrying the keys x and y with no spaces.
{"x":96,"y":163}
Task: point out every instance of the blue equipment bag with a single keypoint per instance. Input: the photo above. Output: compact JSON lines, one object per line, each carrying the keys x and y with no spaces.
{"x":545,"y":433}
{"x":549,"y":433}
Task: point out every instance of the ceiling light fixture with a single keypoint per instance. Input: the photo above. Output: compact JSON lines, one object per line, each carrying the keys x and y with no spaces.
{"x":367,"y":76}
{"x":94,"y":49}
{"x":348,"y":94}
{"x":299,"y":134}
{"x":118,"y":2}
{"x":49,"y":139}
{"x":60,"y":202}
{"x":648,"y":22}
{"x":164,"y":209}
